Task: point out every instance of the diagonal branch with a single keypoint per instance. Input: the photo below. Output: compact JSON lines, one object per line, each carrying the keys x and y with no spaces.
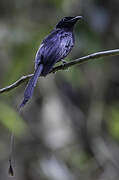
{"x":78,"y":61}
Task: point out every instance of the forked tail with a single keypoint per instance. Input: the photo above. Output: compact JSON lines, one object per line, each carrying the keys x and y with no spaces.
{"x":30,"y":86}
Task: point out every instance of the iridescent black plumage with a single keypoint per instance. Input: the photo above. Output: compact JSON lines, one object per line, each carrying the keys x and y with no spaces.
{"x":53,"y":49}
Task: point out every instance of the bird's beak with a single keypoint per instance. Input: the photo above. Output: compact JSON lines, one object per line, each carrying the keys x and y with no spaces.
{"x":77,"y":18}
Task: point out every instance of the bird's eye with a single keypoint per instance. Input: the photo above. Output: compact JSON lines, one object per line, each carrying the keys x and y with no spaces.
{"x":64,"y":19}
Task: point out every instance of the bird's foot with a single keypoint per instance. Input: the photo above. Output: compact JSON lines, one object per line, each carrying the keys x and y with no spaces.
{"x":63,"y":61}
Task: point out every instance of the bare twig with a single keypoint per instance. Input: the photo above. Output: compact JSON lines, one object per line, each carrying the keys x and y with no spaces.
{"x":16,"y":83}
{"x":78,"y":61}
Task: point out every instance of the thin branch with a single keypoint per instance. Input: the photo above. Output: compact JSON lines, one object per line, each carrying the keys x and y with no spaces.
{"x":16,"y":83}
{"x":78,"y":61}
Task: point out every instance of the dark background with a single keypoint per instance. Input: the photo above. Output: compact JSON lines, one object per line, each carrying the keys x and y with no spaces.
{"x":70,"y":128}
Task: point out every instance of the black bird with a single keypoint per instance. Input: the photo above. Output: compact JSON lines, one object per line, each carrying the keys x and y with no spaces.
{"x":54,"y":48}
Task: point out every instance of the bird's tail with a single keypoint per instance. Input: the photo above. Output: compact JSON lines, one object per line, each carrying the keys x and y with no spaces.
{"x":30,"y":86}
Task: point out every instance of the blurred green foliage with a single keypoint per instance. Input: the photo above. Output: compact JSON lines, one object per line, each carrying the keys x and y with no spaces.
{"x":11,"y":120}
{"x":113,"y":121}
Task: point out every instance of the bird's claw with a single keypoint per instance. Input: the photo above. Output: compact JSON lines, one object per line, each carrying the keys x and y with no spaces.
{"x":63,"y":61}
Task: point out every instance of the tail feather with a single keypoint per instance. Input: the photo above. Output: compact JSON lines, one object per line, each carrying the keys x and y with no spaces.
{"x":30,"y":86}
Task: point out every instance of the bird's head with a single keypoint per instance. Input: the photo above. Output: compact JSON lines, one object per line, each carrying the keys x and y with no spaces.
{"x":68,"y":22}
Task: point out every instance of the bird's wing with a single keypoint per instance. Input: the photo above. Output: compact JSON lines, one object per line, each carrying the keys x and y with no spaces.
{"x":58,"y":46}
{"x":46,"y":48}
{"x":54,"y":48}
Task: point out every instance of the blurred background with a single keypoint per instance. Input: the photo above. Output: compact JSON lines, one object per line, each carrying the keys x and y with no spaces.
{"x":70,"y":128}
